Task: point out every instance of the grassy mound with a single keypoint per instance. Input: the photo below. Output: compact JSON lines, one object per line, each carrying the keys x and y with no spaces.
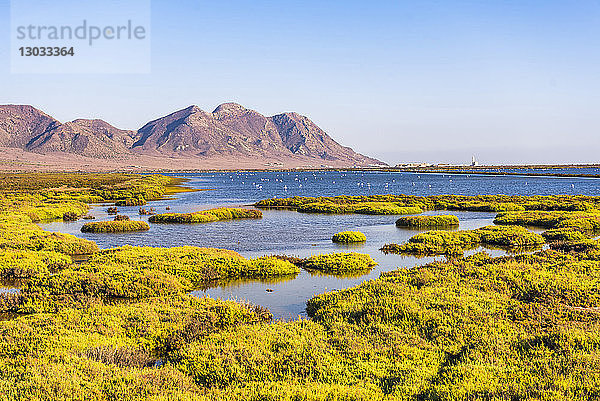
{"x":141,"y":272}
{"x":18,"y":232}
{"x":456,"y":242}
{"x":482,"y":203}
{"x":339,"y":262}
{"x":583,"y":221}
{"x":375,"y":208}
{"x":192,"y":263}
{"x":446,"y":220}
{"x":346,"y":237}
{"x":564,"y":234}
{"x":117,"y":226}
{"x":206,"y":216}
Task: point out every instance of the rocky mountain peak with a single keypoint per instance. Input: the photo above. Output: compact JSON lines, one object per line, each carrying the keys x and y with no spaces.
{"x":230,"y":132}
{"x":229,"y":110}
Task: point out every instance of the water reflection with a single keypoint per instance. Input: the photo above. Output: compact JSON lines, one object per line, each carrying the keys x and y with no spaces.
{"x":238,"y":282}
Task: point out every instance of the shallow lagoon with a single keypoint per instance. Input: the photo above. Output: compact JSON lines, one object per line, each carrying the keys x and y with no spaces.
{"x":299,"y":234}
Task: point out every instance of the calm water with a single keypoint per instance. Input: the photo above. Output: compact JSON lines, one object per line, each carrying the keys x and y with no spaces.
{"x":298,"y":234}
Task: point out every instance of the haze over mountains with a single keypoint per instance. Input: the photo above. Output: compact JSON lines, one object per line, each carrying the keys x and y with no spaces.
{"x":229,"y":137}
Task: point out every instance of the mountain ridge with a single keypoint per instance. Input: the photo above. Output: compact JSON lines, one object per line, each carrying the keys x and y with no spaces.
{"x":230,"y":131}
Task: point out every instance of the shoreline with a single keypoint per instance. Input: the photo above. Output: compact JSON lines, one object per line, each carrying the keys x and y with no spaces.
{"x":480,"y":170}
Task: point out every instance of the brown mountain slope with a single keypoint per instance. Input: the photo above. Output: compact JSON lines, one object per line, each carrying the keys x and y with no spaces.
{"x":19,"y":125}
{"x":230,"y":133}
{"x":233,"y":130}
{"x":29,"y":129}
{"x":303,"y":137}
{"x":229,"y":130}
{"x":91,"y":138}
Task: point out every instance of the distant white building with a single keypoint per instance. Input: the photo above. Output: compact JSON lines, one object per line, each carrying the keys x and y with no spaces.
{"x":474,"y":162}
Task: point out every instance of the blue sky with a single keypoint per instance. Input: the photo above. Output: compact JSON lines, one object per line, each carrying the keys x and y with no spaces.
{"x":510,"y":81}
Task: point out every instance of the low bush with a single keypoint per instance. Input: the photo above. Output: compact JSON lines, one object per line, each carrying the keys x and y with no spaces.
{"x":18,"y":232}
{"x":131,"y":202}
{"x":206,"y":216}
{"x":446,"y":220}
{"x":582,"y":221}
{"x":378,"y":208}
{"x":564,"y":234}
{"x":53,"y":211}
{"x":581,"y":245}
{"x":138,"y":273}
{"x":16,"y":264}
{"x":270,"y":266}
{"x":146,"y":212}
{"x":374,"y":208}
{"x":118,"y":226}
{"x":456,"y":242}
{"x":346,"y":237}
{"x":481,"y":203}
{"x":121,"y":217}
{"x":70,"y":216}
{"x":197,"y":265}
{"x":339,"y":262}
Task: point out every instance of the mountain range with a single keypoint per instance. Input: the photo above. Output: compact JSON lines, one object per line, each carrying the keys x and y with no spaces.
{"x":228,"y":136}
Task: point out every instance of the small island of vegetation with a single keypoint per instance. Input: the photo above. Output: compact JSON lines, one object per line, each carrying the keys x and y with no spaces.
{"x":206,"y":216}
{"x":116,"y":226}
{"x":442,"y":220}
{"x":456,"y":242}
{"x":346,"y":237}
{"x":339,"y":262}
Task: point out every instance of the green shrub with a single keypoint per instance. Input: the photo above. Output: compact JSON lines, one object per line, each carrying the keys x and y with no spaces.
{"x":427,"y":221}
{"x":483,"y":203}
{"x":197,"y":265}
{"x":530,"y":218}
{"x":564,"y":234}
{"x":117,"y":226}
{"x":53,"y":211}
{"x":583,"y":221}
{"x":131,"y":202}
{"x":25,"y":264}
{"x":378,"y":208}
{"x":206,"y":216}
{"x":262,"y":353}
{"x":18,"y":232}
{"x":349,"y":236}
{"x":138,"y":273}
{"x":339,"y":262}
{"x":269,"y":266}
{"x":582,"y":245}
{"x":106,"y":284}
{"x":456,"y":242}
{"x":70,"y":216}
{"x":485,"y":326}
{"x":375,"y":208}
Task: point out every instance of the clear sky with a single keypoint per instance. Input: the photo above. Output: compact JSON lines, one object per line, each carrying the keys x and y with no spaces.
{"x":509,"y":81}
